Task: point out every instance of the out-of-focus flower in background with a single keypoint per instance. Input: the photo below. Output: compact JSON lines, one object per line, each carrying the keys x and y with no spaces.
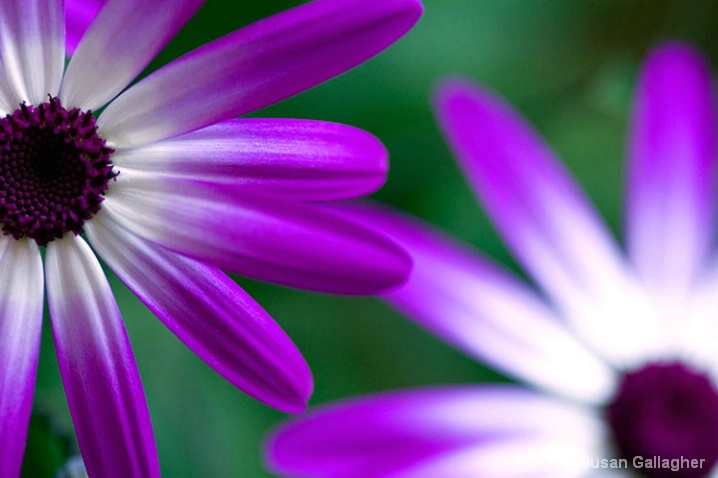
{"x":619,"y":351}
{"x":169,"y":189}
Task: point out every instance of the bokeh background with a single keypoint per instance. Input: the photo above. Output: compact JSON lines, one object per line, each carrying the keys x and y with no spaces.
{"x":569,"y":66}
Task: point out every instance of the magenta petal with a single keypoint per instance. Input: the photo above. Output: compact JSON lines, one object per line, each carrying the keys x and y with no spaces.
{"x":119,"y":44}
{"x":385,"y":435}
{"x":97,"y":366}
{"x":79,"y":14}
{"x":215,"y":318}
{"x":304,"y":160}
{"x":256,"y":66}
{"x":21,"y":282}
{"x":671,"y":193}
{"x":264,"y":237}
{"x":32,"y":53}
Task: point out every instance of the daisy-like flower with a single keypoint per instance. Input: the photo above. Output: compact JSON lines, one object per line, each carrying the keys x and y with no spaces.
{"x":169,"y":190}
{"x":618,"y":349}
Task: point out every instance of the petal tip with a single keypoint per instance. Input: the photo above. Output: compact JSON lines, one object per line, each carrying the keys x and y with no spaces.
{"x":293,"y":391}
{"x":395,"y":270}
{"x":286,"y":405}
{"x":673,"y":55}
{"x":466,"y":111}
{"x":450,"y":87}
{"x":411,"y":10}
{"x":416,"y":8}
{"x":372,"y":147}
{"x":297,"y":401}
{"x":456,"y":92}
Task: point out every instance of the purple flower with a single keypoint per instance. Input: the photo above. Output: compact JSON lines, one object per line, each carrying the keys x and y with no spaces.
{"x":618,"y":352}
{"x":169,"y":190}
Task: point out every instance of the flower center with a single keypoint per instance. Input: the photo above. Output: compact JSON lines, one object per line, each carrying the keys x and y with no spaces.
{"x":669,"y":411}
{"x":54,"y":169}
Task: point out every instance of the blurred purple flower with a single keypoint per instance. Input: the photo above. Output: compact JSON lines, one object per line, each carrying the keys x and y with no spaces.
{"x":169,"y":189}
{"x":620,"y":352}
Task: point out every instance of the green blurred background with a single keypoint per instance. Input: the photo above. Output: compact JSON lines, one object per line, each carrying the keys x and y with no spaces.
{"x":569,"y":66}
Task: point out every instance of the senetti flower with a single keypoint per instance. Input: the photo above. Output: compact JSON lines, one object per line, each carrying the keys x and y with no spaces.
{"x":618,"y":349}
{"x":169,"y":189}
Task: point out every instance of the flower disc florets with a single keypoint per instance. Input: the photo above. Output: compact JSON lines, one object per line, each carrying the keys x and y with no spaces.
{"x":54,"y":169}
{"x":670,"y":411}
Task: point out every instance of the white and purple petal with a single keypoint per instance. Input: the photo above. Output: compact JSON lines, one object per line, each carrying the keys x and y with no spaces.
{"x":392,"y":434}
{"x":210,"y":313}
{"x":670,"y":215}
{"x":485,"y":311}
{"x":264,"y":237}
{"x":548,"y":223}
{"x":97,"y":366}
{"x":32,"y":51}
{"x":256,"y":66}
{"x":302,"y":159}
{"x":121,"y":41}
{"x":21,"y":302}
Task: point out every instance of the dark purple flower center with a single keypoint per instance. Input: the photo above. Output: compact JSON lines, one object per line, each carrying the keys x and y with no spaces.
{"x":670,"y":411}
{"x":54,"y":169}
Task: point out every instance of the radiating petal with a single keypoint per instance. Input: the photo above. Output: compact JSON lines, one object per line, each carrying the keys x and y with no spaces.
{"x":548,"y":223}
{"x":256,"y":66}
{"x":21,"y":302}
{"x":487,"y":312}
{"x":32,"y":51}
{"x":119,"y":44}
{"x":305,"y":160}
{"x":79,"y":14}
{"x":671,"y":189}
{"x":264,"y":237}
{"x":98,"y":369}
{"x":208,"y":311}
{"x":388,"y":434}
